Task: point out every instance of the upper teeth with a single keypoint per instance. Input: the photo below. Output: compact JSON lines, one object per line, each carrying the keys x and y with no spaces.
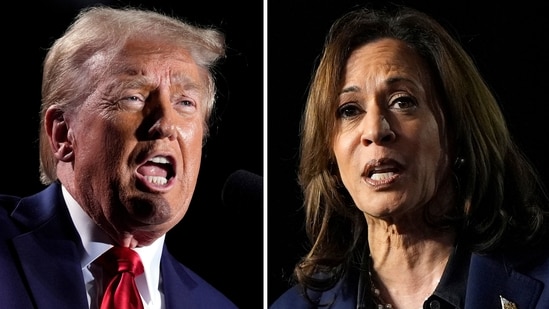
{"x":381,"y":176}
{"x":161,"y":160}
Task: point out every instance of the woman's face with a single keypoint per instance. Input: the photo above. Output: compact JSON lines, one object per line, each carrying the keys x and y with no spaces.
{"x":387,"y":143}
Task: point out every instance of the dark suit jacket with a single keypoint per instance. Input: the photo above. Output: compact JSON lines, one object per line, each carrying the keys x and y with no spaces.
{"x":520,"y":277}
{"x":40,"y":263}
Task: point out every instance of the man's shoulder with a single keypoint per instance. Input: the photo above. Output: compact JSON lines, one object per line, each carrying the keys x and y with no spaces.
{"x":185,"y":282}
{"x":30,"y":211}
{"x":7,"y":224}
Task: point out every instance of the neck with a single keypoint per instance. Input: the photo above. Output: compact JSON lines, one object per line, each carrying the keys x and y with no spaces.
{"x":406,"y":267}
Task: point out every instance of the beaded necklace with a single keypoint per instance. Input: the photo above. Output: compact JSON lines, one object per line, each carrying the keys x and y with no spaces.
{"x":379,"y":302}
{"x":376,"y":293}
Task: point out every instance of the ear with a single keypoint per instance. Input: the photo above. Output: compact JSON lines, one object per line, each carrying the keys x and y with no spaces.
{"x":59,"y":132}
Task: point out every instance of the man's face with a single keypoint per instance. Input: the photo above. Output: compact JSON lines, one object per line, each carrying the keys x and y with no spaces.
{"x":137,"y":142}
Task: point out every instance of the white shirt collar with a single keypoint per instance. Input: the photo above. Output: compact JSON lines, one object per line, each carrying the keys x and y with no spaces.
{"x":95,"y":242}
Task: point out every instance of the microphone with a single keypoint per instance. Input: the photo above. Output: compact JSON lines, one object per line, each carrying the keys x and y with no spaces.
{"x":242,"y":187}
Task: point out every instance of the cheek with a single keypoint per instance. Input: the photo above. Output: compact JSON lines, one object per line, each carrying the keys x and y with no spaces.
{"x":191,"y":136}
{"x":343,"y":147}
{"x":430,"y":141}
{"x":191,"y":132}
{"x":431,"y":155}
{"x":339,"y":149}
{"x":107,"y":141}
{"x":117,"y":138}
{"x":90,"y":136}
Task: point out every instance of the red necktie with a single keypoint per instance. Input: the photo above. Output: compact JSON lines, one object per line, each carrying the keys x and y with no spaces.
{"x":120,"y":267}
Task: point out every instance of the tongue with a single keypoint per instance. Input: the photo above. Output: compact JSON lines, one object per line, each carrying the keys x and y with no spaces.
{"x":152,"y":169}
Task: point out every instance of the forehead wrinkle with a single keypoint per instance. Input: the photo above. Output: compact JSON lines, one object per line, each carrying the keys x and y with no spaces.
{"x":117,"y":83}
{"x":394,"y":80}
{"x":390,"y":81}
{"x":132,"y":81}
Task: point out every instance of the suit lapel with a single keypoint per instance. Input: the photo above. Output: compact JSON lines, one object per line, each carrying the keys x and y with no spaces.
{"x":177,"y":285}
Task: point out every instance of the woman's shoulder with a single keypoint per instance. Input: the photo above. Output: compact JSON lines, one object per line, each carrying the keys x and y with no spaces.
{"x":531,"y":261}
{"x":291,"y":298}
{"x":342,"y":295}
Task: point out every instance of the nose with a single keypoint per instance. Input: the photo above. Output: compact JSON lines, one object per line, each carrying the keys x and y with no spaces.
{"x":164,"y":124}
{"x":377,"y":129}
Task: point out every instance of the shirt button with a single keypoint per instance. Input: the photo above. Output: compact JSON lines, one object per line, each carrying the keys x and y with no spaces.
{"x":434,"y":304}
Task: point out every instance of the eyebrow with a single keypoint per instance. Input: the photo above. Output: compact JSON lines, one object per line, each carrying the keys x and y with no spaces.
{"x":349,"y":89}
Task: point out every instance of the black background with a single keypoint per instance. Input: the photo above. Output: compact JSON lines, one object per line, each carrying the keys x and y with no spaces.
{"x":222,"y":243}
{"x":507,"y":39}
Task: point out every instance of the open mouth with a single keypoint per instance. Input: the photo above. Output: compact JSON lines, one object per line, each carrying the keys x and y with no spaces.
{"x":157,"y":170}
{"x":382,"y":172}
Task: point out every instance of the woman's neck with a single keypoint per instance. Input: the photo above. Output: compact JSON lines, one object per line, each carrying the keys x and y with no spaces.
{"x":407,"y":264}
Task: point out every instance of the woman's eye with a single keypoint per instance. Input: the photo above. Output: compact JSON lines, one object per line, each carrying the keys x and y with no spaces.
{"x":403,"y":102}
{"x":348,"y":110}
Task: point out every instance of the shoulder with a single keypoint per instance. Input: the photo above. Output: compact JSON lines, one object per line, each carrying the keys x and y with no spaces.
{"x":7,"y":204}
{"x":31,"y":211}
{"x":8,"y":227}
{"x":342,"y":295}
{"x":293,"y":298}
{"x":521,"y":276}
{"x":533,"y":262}
{"x":187,"y":284}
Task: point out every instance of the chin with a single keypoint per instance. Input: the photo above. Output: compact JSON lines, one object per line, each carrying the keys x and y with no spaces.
{"x":149,"y":210}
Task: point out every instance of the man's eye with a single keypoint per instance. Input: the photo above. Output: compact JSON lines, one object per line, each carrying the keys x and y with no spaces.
{"x":132,"y":99}
{"x":186,"y":103}
{"x":131,"y":103}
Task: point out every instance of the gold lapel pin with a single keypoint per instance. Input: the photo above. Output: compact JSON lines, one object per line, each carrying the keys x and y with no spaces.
{"x":506,"y":304}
